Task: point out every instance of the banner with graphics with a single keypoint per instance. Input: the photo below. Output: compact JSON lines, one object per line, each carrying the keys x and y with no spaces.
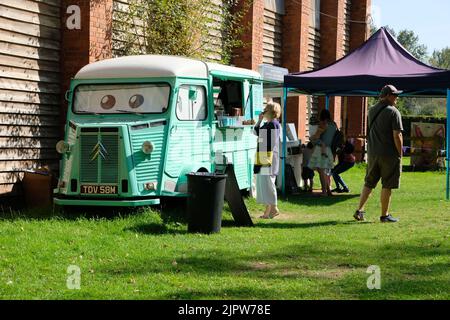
{"x":427,"y":144}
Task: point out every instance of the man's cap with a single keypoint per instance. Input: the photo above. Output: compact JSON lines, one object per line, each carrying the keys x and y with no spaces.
{"x":390,"y":89}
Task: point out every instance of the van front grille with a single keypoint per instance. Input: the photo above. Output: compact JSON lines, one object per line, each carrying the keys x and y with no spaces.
{"x":88,"y":168}
{"x":99,"y":160}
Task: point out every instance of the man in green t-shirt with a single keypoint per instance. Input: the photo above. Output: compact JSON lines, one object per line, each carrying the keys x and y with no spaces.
{"x":385,"y":151}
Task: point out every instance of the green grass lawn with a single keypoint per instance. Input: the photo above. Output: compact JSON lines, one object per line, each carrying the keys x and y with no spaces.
{"x":314,"y":250}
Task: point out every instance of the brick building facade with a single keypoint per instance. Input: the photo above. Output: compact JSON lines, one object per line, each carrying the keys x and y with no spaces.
{"x":39,"y":55}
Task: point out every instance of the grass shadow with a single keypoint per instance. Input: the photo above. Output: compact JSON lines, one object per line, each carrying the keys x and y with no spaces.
{"x":72,"y":213}
{"x":238,"y":292}
{"x":356,"y":223}
{"x":171,"y":211}
{"x":173,"y":215}
{"x":230,"y":223}
{"x":156,"y":229}
{"x":313,"y":200}
{"x":284,"y":225}
{"x":174,"y":210}
{"x":10,"y":214}
{"x":287,"y":225}
{"x":292,"y":256}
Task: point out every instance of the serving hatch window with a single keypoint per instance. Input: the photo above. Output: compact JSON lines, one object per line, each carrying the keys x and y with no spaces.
{"x":122,"y":98}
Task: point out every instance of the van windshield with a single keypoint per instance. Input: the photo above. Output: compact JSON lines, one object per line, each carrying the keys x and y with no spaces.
{"x":122,"y":98}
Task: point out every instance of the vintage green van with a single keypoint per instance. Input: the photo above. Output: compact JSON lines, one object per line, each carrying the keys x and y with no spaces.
{"x":137,"y":125}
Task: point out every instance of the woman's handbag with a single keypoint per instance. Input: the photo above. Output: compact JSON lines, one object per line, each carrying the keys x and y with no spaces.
{"x":264,"y":158}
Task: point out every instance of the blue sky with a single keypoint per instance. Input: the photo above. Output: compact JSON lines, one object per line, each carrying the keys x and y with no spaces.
{"x":429,"y":19}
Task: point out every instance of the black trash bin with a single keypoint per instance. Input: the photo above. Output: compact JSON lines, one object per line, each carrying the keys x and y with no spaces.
{"x":205,"y":203}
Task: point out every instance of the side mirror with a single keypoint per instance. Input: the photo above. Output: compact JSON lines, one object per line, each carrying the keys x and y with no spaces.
{"x":67,"y":95}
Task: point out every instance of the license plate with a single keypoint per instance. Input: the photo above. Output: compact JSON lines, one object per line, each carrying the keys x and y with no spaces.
{"x":90,"y":189}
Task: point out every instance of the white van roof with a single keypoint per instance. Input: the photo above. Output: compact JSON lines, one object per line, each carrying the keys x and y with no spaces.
{"x":153,"y":66}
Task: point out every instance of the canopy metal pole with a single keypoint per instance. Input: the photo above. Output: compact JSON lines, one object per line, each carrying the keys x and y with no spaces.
{"x":283,"y":159}
{"x":448,"y":145}
{"x":327,"y":102}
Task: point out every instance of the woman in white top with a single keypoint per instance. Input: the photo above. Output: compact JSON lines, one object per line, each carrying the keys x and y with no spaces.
{"x":268,"y":142}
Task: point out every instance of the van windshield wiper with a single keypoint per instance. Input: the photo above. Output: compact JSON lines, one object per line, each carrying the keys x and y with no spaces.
{"x":88,"y":112}
{"x":129,"y":111}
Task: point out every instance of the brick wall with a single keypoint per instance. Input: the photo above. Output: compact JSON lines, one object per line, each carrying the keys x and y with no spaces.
{"x":296,"y":24}
{"x":358,"y":34}
{"x":357,"y":107}
{"x":91,"y":43}
{"x":251,"y":55}
{"x":100,"y":25}
{"x":332,"y":47}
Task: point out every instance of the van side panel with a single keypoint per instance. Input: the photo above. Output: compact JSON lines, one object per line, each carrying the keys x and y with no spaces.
{"x":189,"y":143}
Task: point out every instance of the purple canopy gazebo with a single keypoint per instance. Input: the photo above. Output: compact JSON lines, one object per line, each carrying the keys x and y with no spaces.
{"x":379,"y":61}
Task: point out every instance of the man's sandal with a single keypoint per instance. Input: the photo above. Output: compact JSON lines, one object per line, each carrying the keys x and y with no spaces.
{"x":359,"y":215}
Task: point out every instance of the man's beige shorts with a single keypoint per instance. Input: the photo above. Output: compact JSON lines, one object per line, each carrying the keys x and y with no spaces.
{"x":388,"y":169}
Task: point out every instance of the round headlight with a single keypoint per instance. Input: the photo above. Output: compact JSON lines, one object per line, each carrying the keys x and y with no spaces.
{"x":62,"y":147}
{"x":147,"y":147}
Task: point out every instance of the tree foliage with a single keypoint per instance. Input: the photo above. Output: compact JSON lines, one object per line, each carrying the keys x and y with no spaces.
{"x":432,"y":107}
{"x":411,"y":42}
{"x":441,"y":58}
{"x":181,"y":27}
